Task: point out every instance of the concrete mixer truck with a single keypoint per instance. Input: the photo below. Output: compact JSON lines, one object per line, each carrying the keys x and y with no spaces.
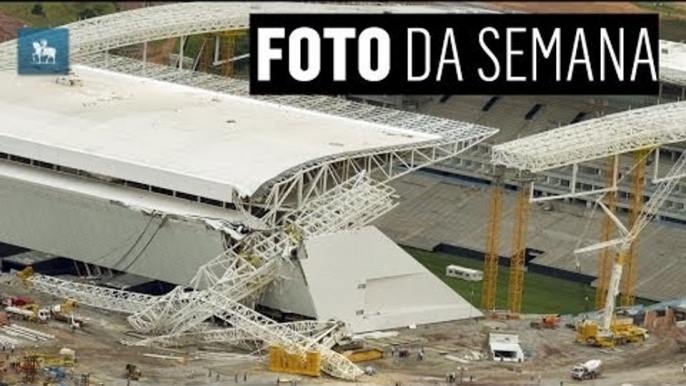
{"x":587,"y":370}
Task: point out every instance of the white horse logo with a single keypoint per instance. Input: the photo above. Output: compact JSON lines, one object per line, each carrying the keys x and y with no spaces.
{"x":41,"y":50}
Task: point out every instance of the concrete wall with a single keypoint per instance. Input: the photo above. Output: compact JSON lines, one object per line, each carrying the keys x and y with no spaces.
{"x":96,"y":231}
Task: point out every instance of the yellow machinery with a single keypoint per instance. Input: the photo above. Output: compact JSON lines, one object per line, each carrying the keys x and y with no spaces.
{"x":68,"y":306}
{"x":363,"y":355}
{"x":25,"y":274}
{"x":620,"y":332}
{"x":39,"y":315}
{"x":282,"y":361}
{"x":491,"y":256}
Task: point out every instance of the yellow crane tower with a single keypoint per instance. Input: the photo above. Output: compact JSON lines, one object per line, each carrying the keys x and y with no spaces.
{"x":223,"y":50}
{"x":606,"y":254}
{"x":629,"y":259}
{"x":631,"y":264}
{"x":518,"y":258}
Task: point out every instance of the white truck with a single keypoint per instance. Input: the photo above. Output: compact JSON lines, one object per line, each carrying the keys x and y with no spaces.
{"x":37,"y":314}
{"x":587,"y":370}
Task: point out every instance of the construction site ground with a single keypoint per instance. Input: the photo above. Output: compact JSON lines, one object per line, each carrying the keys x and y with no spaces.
{"x":100,"y":353}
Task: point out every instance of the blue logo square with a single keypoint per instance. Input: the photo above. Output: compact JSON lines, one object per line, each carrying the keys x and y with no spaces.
{"x":43,"y":51}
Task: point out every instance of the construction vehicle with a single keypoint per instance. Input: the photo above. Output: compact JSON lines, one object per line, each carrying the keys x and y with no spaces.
{"x":611,"y":331}
{"x":32,"y":312}
{"x":63,"y":312}
{"x":587,"y":370}
{"x":550,"y":321}
{"x":132,"y":372}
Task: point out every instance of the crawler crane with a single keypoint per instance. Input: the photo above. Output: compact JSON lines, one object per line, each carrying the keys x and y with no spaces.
{"x":611,"y":331}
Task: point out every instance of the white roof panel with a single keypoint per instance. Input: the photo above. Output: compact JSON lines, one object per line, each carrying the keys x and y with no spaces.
{"x":173,"y":136}
{"x":363,"y":278}
{"x":673,"y":62}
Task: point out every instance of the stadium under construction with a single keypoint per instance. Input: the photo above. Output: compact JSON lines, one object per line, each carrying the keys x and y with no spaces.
{"x":188,"y":219}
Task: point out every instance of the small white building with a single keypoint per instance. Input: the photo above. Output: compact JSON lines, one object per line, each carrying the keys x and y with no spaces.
{"x":464,"y":273}
{"x":504,"y":347}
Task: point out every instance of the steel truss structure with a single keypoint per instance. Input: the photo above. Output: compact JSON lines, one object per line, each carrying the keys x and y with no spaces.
{"x":317,"y":330}
{"x":326,"y":195}
{"x":221,"y":286}
{"x":175,"y":20}
{"x":597,"y":138}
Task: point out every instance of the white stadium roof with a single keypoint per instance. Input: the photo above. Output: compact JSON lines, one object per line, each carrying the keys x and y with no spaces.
{"x":173,"y":136}
{"x":673,"y":62}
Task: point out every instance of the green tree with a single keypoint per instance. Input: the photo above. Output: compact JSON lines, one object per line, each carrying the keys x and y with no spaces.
{"x":37,"y":10}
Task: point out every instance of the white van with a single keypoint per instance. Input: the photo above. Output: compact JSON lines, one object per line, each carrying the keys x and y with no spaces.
{"x":463,"y":273}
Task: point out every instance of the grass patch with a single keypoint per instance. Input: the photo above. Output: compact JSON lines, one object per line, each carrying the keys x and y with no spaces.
{"x":542,"y":294}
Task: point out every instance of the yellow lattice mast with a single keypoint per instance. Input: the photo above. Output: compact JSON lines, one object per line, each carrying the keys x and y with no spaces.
{"x":226,"y":50}
{"x":228,"y":39}
{"x":518,"y":257}
{"x":606,"y":259}
{"x":631,"y":265}
{"x":491,"y":256}
{"x":206,"y":56}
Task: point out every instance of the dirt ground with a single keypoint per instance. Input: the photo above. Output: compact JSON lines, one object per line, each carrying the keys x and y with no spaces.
{"x":8,"y":27}
{"x":100,"y":353}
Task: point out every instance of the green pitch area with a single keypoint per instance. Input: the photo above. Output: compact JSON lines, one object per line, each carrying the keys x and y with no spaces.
{"x":542,"y":294}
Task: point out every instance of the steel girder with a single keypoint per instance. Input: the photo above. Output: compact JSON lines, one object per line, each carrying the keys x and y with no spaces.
{"x":174,"y":20}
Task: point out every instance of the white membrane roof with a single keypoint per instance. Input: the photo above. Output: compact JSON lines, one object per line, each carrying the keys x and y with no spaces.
{"x":173,"y":136}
